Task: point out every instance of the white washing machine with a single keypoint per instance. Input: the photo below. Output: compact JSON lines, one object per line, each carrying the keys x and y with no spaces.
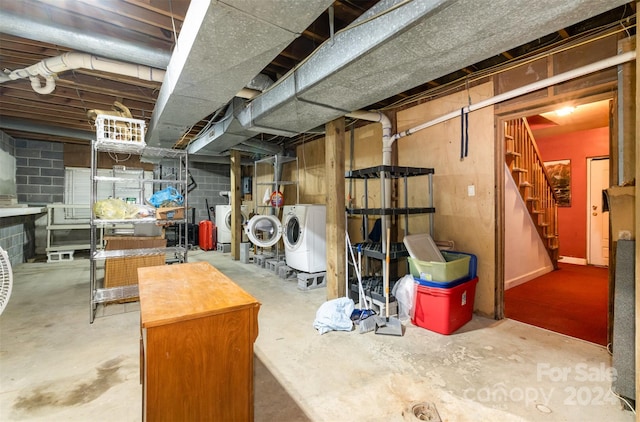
{"x":223,"y":222}
{"x":302,"y":229}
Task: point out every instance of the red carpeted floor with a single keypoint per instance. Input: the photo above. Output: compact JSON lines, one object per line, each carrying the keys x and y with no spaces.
{"x":571,"y":300}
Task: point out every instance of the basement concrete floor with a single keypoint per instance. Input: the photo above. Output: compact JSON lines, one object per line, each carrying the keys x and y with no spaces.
{"x":55,"y":366}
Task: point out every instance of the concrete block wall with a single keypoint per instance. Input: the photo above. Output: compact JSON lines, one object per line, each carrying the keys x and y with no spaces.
{"x":39,"y":171}
{"x":210,"y":180}
{"x":17,"y":238}
{"x":16,"y":233}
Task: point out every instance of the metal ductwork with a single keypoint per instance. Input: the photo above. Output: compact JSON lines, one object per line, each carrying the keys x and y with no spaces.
{"x":261,"y":147}
{"x":260,"y":83}
{"x":101,"y":45}
{"x":228,"y":133}
{"x":223,"y":45}
{"x":21,"y":125}
{"x":406,"y":45}
{"x":223,"y":134}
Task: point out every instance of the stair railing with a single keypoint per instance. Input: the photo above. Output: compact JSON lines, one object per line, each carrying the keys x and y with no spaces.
{"x":523,"y":159}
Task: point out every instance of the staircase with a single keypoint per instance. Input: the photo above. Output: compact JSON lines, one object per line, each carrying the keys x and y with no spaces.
{"x":528,"y":171}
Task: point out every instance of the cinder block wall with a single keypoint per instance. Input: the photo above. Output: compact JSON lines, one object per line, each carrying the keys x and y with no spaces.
{"x":16,"y":233}
{"x":17,"y":238}
{"x":210,"y":180}
{"x":39,"y":172}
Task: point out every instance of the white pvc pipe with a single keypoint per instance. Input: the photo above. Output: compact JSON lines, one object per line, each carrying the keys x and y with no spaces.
{"x":544,"y":83}
{"x":387,"y":142}
{"x":49,"y":86}
{"x":50,"y":67}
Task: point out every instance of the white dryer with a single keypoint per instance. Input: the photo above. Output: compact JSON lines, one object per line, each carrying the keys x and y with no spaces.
{"x":302,"y":229}
{"x":223,"y":222}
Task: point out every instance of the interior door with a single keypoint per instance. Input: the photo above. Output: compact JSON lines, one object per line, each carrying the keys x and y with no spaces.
{"x":598,"y":227}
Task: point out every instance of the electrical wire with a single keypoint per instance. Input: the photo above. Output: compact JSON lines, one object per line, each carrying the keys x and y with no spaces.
{"x":631,"y":408}
{"x":622,"y":399}
{"x":209,"y":123}
{"x":173,"y":24}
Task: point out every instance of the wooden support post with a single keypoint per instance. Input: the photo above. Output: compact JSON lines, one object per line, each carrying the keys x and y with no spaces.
{"x":236,"y":203}
{"x":334,"y":169}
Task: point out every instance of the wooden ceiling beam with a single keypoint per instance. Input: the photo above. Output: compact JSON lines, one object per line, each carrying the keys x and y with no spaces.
{"x":16,"y":48}
{"x":69,"y":91}
{"x":63,"y":106}
{"x":176,"y":9}
{"x":80,"y":104}
{"x":91,"y":79}
{"x":350,"y":9}
{"x":6,"y":38}
{"x":68,"y":108}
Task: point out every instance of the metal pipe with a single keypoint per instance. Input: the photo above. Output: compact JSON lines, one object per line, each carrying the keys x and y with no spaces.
{"x":102,"y":45}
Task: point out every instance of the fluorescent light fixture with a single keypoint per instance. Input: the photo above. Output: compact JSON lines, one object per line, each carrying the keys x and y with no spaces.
{"x":565,"y":111}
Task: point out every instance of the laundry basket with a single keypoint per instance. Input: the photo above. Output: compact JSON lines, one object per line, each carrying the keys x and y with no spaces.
{"x":122,"y":131}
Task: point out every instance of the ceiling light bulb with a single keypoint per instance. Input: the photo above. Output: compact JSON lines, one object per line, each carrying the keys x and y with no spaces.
{"x":565,"y":111}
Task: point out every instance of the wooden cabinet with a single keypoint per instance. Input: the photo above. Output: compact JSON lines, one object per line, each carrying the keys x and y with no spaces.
{"x":198,"y":329}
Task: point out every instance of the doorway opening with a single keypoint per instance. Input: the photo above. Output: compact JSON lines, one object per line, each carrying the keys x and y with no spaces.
{"x":570,"y":296}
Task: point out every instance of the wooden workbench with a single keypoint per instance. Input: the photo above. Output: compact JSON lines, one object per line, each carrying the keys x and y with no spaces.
{"x":198,"y":328}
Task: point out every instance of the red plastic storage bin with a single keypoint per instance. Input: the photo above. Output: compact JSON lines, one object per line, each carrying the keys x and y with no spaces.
{"x":444,"y":310}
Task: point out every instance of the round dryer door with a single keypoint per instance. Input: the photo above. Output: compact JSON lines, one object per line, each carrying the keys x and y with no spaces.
{"x":264,"y":231}
{"x":227,"y":220}
{"x":292,"y":231}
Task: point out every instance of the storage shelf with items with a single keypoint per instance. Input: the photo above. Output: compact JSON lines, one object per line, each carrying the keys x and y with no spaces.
{"x":396,"y":249}
{"x":378,"y":250}
{"x":131,"y":210}
{"x":272,"y":167}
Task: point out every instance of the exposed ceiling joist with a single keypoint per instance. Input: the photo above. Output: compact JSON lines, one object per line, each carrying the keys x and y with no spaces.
{"x":143,"y":31}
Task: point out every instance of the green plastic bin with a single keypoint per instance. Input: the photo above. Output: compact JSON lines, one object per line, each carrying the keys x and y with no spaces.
{"x":455,"y":267}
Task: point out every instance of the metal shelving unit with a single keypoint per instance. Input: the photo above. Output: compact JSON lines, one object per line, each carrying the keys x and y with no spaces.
{"x":111,"y":143}
{"x":396,"y":250}
{"x":377,"y":250}
{"x":273,"y":165}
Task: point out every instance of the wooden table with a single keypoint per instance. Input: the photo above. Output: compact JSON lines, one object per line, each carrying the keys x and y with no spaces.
{"x":198,"y":328}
